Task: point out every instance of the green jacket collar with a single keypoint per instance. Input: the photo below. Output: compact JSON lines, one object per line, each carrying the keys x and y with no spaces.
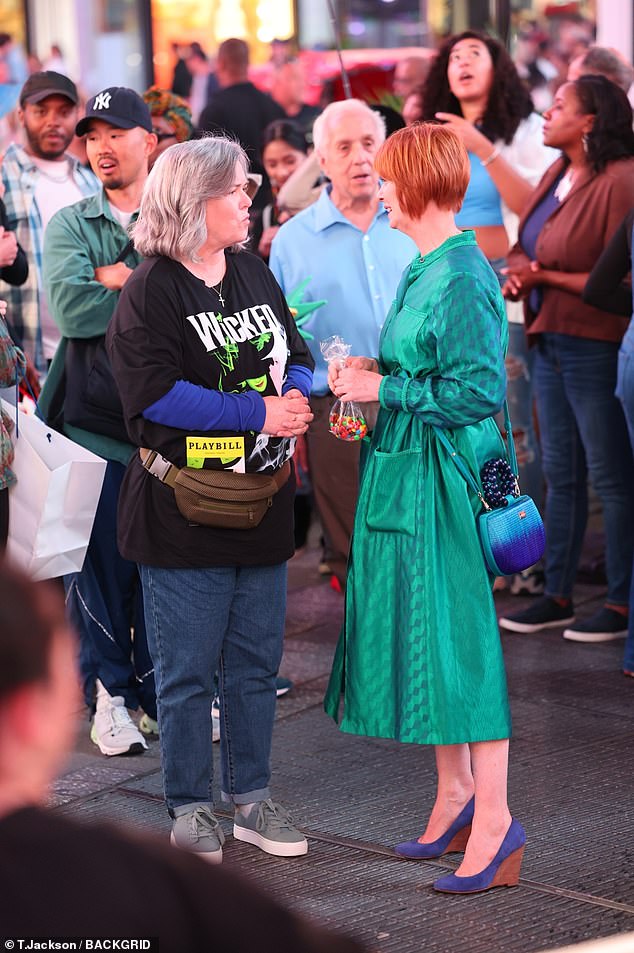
{"x":98,"y":206}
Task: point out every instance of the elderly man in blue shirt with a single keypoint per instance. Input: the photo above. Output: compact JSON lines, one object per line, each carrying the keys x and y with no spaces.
{"x":345,"y":245}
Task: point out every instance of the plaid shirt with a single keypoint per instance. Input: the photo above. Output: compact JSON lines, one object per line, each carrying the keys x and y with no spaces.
{"x":19,"y":174}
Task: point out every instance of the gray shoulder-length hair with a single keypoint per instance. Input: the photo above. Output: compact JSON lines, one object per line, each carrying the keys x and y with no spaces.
{"x":173,"y":208}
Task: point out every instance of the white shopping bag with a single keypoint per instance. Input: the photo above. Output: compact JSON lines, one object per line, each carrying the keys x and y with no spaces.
{"x":53,"y":504}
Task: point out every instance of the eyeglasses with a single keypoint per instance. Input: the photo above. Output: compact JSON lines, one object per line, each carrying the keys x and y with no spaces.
{"x":162,"y":136}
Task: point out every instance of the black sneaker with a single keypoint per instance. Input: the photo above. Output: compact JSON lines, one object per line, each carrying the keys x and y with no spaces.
{"x":606,"y":625}
{"x":545,"y":613}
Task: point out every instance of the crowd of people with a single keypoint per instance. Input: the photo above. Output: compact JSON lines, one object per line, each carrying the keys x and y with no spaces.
{"x":471,"y":251}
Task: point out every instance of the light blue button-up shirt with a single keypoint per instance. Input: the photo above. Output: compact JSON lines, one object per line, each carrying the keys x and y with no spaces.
{"x":356,"y":273}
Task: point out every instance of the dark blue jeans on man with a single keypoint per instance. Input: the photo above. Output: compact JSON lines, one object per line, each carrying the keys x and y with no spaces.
{"x":583,"y":431}
{"x":105,"y":604}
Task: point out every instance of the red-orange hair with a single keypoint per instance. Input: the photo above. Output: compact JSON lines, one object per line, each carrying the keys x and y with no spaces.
{"x":427,"y":162}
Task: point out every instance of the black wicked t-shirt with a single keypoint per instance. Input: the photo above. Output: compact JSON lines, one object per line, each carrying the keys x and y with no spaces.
{"x":169,"y":326}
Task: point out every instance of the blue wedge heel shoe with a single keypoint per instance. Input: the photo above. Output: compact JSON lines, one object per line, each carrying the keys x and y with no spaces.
{"x":503,"y":871}
{"x":454,"y":839}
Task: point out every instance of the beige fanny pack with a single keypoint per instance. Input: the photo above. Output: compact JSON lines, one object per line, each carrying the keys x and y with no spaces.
{"x":218,"y":498}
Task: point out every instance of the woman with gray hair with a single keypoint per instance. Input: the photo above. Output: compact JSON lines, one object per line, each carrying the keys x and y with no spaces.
{"x":213,"y":375}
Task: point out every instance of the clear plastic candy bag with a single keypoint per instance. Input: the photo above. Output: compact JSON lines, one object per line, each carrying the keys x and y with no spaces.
{"x":346,"y":420}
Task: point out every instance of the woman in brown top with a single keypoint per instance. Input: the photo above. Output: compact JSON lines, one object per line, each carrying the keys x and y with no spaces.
{"x":571,"y":216}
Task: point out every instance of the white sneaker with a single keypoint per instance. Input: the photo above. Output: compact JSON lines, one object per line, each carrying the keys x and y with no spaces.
{"x":529,"y":582}
{"x":113,"y":730}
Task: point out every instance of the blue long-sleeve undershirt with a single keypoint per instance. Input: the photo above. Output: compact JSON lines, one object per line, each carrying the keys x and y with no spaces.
{"x":300,"y":378}
{"x":188,"y":406}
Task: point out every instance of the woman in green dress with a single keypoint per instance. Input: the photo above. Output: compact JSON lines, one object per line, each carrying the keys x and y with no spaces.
{"x":419,"y":658}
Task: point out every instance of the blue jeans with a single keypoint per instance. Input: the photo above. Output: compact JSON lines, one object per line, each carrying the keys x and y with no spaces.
{"x":228,"y":620}
{"x":625,"y":393}
{"x":519,"y":395}
{"x":104,"y":604}
{"x":583,"y":430}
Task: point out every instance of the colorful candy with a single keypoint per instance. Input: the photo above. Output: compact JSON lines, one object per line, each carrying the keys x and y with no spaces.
{"x":347,"y":427}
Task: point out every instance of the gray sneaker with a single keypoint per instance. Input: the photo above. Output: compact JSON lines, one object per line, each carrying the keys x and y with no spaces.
{"x":270,"y":827}
{"x":197,"y":829}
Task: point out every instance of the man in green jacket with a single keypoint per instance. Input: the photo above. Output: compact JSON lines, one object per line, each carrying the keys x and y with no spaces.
{"x":88,"y":257}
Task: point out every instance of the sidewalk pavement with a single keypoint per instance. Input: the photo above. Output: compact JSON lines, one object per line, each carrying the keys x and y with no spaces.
{"x":572,"y":767}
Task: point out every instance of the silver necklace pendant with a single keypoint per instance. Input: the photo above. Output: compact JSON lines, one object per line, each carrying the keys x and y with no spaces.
{"x":219,"y":293}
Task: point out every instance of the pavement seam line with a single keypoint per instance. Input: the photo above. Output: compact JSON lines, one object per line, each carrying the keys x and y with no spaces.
{"x":387,"y":852}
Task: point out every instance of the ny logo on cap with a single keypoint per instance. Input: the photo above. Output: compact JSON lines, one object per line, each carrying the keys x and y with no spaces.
{"x":102,"y":101}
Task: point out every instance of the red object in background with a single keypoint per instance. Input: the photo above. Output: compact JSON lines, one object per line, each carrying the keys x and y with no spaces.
{"x":322,"y":67}
{"x":336,"y":585}
{"x":368,"y":81}
{"x":561,"y":9}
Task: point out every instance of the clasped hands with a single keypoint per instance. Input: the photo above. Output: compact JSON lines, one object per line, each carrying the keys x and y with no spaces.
{"x":521,"y":279}
{"x":358,"y":379}
{"x":287,"y":416}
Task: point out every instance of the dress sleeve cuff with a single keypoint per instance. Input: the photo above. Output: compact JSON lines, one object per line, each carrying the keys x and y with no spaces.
{"x":393,"y":392}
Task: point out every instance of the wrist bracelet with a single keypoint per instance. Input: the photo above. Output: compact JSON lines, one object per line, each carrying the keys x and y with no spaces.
{"x":492,"y":157}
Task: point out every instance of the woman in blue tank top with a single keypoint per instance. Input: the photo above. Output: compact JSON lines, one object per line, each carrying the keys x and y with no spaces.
{"x":473,"y":86}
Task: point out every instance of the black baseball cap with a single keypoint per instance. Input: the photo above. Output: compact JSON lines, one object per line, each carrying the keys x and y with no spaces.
{"x":119,"y":106}
{"x":48,"y":83}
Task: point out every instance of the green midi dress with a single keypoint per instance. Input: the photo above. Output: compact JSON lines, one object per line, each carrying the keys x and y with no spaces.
{"x":419,"y":658}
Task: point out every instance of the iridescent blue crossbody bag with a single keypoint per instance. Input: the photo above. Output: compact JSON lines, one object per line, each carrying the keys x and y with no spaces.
{"x":511,"y":530}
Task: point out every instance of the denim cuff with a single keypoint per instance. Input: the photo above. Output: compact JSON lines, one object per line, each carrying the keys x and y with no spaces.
{"x":251,"y":797}
{"x":186,"y":808}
